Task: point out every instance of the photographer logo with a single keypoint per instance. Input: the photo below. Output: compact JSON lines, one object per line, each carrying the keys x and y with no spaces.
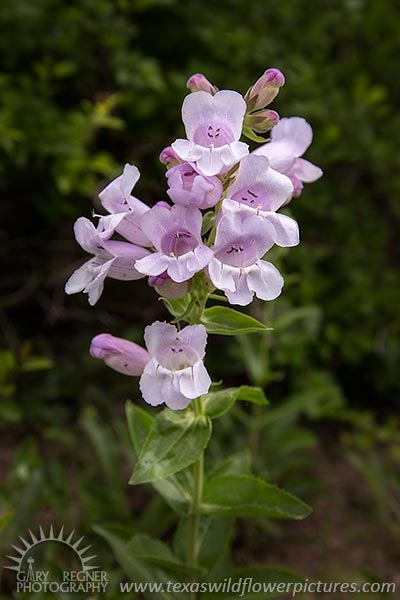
{"x":88,"y":578}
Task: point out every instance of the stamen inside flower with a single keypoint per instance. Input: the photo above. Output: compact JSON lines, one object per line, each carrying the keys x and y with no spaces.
{"x":176,"y":243}
{"x":177,"y":356}
{"x":213,"y":135}
{"x":256,"y":197}
{"x":241,"y":252}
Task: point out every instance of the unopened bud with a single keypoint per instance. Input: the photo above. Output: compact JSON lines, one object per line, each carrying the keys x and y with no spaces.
{"x":119,"y":354}
{"x":168,"y":288}
{"x":199,"y":83}
{"x":264,"y":90}
{"x":169,"y":157}
{"x":262,"y":120}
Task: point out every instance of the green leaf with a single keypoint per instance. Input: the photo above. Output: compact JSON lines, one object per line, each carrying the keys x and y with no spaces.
{"x":218,"y":403}
{"x":245,"y":496}
{"x":272,"y":583}
{"x":208,"y":222}
{"x":135,"y":567}
{"x":226,"y":321}
{"x":235,"y":464}
{"x":176,"y":491}
{"x":175,"y":440}
{"x":105,"y":446}
{"x":213,"y":539}
{"x":156,"y":552}
{"x":180,"y":306}
{"x":172,"y":489}
{"x":139,"y":424}
{"x":252,"y":394}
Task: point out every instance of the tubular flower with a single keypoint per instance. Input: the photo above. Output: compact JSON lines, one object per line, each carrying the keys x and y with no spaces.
{"x":190,"y":188}
{"x":260,"y":189}
{"x":290,"y":138}
{"x":213,"y":127}
{"x":241,"y":240}
{"x":126,"y":210}
{"x":110,"y":259}
{"x":176,"y":235}
{"x":119,"y":354}
{"x":175,"y":375}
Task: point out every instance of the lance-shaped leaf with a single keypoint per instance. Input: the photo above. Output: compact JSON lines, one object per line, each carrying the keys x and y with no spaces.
{"x":226,"y":321}
{"x":175,"y":441}
{"x":142,"y":559}
{"x":247,"y":496}
{"x":174,"y":489}
{"x":139,"y":425}
{"x":218,"y":403}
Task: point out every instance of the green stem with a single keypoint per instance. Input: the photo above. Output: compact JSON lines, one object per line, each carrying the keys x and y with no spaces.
{"x":194,"y":508}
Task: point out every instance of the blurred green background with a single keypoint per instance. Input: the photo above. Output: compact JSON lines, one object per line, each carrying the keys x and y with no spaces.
{"x":88,"y":85}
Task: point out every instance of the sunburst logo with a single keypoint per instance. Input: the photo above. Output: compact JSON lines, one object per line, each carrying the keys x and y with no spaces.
{"x":87,"y":579}
{"x":27,"y":546}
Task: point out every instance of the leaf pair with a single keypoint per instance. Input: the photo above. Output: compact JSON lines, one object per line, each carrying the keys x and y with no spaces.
{"x":174,"y":440}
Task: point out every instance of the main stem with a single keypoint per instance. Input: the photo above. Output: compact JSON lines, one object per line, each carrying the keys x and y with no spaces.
{"x":194,"y":509}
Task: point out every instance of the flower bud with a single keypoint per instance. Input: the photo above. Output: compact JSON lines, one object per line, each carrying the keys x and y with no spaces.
{"x":264,"y":90}
{"x":168,"y":288}
{"x":262,"y":120}
{"x":169,"y":157}
{"x":198,"y":82}
{"x":119,"y":354}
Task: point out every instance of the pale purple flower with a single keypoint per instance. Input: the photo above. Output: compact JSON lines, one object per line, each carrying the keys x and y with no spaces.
{"x":260,"y":189}
{"x":119,"y":354}
{"x":241,"y":240}
{"x":111,"y":259}
{"x":190,"y":188}
{"x":126,"y":210}
{"x":175,"y":375}
{"x":290,"y":138}
{"x":168,"y":288}
{"x":213,"y":127}
{"x":176,"y":235}
{"x":199,"y":82}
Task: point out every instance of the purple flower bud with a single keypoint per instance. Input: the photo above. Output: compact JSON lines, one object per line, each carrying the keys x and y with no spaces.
{"x":169,"y":157}
{"x":168,"y":288}
{"x":273,"y":77}
{"x":198,"y":82}
{"x":264,"y":90}
{"x":119,"y":354}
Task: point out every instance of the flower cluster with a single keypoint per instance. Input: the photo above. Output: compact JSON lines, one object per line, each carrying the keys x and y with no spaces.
{"x":212,"y":179}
